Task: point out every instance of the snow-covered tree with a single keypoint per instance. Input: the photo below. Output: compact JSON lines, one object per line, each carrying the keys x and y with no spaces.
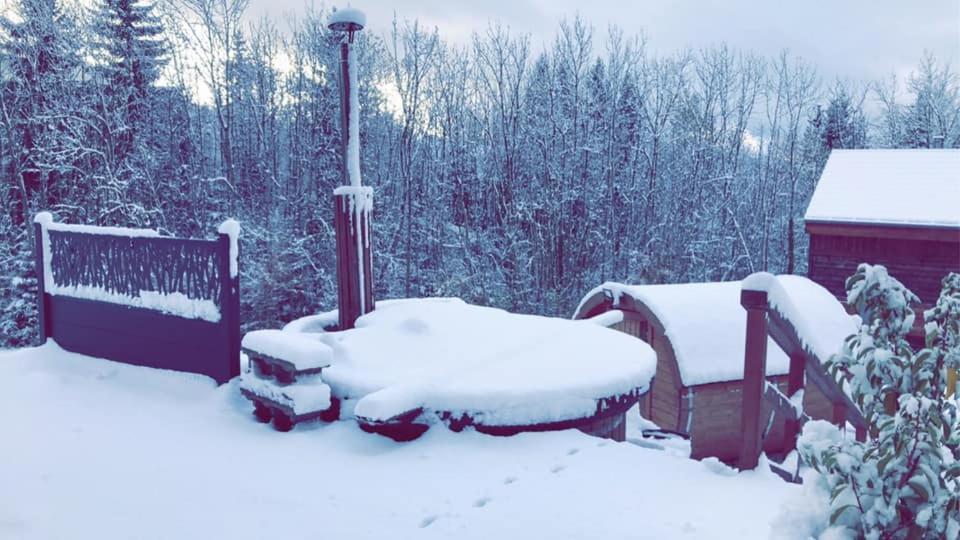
{"x":39,"y":100}
{"x":130,"y":47}
{"x":904,"y":481}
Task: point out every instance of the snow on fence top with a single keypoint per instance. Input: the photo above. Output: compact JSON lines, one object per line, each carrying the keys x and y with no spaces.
{"x":821,"y":321}
{"x":889,"y":187}
{"x":499,"y":368}
{"x":231,"y":228}
{"x":706,"y":326}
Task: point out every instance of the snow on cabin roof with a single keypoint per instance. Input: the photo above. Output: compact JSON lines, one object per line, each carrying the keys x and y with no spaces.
{"x":890,"y":187}
{"x":443,"y":354}
{"x":706,"y":326}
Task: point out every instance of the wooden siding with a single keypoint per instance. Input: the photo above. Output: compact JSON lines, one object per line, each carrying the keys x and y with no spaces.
{"x":639,"y":328}
{"x":920,"y":264}
{"x":717,"y":411}
{"x":662,"y":403}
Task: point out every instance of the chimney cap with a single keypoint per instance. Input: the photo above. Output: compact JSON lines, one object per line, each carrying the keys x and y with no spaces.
{"x":347,"y":20}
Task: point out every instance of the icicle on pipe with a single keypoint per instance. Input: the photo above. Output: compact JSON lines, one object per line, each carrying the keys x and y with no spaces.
{"x":353,"y":165}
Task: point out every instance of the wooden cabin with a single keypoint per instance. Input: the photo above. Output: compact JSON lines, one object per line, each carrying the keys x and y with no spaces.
{"x":898,"y":208}
{"x":698,"y":332}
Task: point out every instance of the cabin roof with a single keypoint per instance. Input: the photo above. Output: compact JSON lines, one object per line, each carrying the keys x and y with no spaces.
{"x":706,"y":324}
{"x":904,"y":187}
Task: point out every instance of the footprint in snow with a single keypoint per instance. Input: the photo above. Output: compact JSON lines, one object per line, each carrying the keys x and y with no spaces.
{"x":572,"y":451}
{"x":509,"y":480}
{"x":427,"y":521}
{"x":481,"y":502}
{"x":558,"y":468}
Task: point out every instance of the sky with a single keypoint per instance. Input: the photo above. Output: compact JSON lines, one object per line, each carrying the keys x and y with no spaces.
{"x":857,"y":40}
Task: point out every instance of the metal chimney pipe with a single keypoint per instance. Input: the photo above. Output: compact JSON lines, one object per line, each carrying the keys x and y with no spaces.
{"x":353,"y":202}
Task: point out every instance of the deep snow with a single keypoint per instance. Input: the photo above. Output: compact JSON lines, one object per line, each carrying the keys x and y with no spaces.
{"x":97,"y":449}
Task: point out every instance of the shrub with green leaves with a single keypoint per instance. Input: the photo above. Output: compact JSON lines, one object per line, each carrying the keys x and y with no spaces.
{"x":904,"y":481}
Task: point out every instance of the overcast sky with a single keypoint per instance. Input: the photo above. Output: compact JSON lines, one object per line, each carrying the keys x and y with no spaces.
{"x":854,"y":39}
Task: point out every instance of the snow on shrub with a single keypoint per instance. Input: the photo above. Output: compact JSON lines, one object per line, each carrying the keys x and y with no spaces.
{"x":903,"y":481}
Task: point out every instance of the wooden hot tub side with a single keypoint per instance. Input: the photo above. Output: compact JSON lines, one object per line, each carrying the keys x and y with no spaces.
{"x":709,"y":413}
{"x":608,"y":422}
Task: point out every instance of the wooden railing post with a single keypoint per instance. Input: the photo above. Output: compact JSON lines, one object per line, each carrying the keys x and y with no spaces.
{"x":43,"y":323}
{"x":795,"y":383}
{"x":351,"y":219}
{"x":754,"y":376}
{"x":229,"y":309}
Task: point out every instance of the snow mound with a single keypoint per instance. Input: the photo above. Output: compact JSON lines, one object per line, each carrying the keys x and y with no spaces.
{"x":82,"y":434}
{"x":442,"y":354}
{"x":302,"y":350}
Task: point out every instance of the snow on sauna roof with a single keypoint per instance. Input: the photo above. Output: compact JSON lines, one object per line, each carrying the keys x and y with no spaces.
{"x":443,"y":354}
{"x":889,"y":187}
{"x":821,"y":322}
{"x":706,"y":324}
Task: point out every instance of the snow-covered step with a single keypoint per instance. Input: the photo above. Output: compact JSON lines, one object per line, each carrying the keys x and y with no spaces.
{"x":286,"y":355}
{"x":286,"y":405}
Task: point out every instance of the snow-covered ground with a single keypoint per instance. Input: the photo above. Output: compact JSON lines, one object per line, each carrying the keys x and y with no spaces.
{"x":96,"y":449}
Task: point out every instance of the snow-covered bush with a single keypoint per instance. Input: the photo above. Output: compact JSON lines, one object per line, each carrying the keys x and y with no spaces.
{"x":904,"y":481}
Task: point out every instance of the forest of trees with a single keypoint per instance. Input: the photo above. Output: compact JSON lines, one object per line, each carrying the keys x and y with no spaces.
{"x":503,"y":174}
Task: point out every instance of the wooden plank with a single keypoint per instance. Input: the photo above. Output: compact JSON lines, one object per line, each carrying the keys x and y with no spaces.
{"x":900,"y":232}
{"x":795,"y":382}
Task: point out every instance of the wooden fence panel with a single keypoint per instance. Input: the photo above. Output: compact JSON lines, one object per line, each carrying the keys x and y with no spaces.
{"x":122,"y":267}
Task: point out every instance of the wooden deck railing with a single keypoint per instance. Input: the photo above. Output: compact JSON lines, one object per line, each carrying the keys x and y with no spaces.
{"x":763,"y":321}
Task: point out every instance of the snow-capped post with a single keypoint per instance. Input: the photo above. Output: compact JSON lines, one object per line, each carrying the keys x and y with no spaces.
{"x":353,"y":202}
{"x":754,"y":373}
{"x":228,"y":244}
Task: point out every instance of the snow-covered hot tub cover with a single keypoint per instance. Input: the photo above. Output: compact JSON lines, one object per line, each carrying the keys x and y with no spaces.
{"x":706,"y":325}
{"x":499,"y":368}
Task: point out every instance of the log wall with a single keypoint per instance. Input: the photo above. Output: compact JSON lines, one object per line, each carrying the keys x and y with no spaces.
{"x":717,"y":411}
{"x":919,"y":263}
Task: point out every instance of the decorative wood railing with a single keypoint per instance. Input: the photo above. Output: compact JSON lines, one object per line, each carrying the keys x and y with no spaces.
{"x":136,"y":297}
{"x":128,"y":265}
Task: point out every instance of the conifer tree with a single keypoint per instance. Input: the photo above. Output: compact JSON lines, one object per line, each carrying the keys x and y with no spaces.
{"x":132,"y":53}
